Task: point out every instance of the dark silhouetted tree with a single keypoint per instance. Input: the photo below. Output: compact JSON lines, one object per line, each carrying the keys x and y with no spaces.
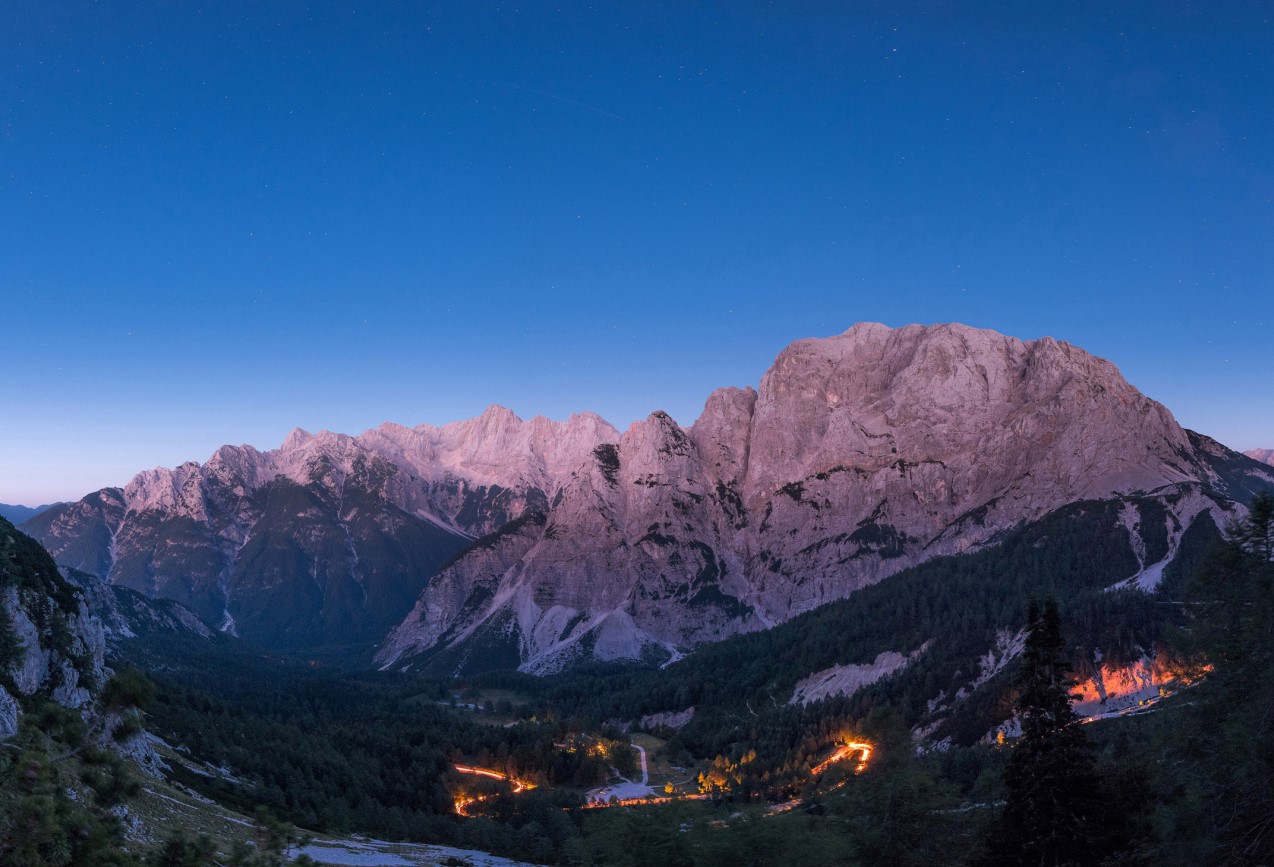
{"x":1056,"y":809}
{"x":1226,"y":811}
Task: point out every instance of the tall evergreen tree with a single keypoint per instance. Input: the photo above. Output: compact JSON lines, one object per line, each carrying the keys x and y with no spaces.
{"x":1056,"y":809}
{"x":1226,"y":813}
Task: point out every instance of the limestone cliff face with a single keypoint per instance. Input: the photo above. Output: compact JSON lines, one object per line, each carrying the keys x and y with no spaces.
{"x":859,"y":455}
{"x":635,"y":556}
{"x":880,"y":447}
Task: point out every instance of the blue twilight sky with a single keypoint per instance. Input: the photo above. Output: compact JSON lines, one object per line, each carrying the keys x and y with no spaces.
{"x":221,"y":220}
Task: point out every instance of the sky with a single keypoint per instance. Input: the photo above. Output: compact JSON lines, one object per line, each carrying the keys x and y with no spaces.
{"x":223,"y":220}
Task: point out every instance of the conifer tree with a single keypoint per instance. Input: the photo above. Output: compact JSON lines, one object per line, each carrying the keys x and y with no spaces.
{"x":1056,"y":810}
{"x":1227,"y":815}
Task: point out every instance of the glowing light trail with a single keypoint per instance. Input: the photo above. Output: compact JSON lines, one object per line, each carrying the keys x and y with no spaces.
{"x":462,"y":802}
{"x":843,"y":753}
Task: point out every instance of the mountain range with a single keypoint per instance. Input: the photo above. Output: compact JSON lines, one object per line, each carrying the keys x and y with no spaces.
{"x":499,"y":542}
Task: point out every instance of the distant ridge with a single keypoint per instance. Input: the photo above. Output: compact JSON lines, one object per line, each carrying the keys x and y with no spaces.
{"x":19,"y":514}
{"x":1265,"y":456}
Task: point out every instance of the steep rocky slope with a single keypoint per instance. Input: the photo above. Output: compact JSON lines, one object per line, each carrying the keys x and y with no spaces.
{"x":126,"y":614}
{"x":858,"y":456}
{"x":50,"y":643}
{"x":57,"y":628}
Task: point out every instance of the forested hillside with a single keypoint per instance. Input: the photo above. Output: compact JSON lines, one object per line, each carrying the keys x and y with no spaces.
{"x":951,"y":606}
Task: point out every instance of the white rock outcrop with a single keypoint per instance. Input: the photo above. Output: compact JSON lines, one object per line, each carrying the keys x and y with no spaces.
{"x":54,"y":645}
{"x":847,"y":679}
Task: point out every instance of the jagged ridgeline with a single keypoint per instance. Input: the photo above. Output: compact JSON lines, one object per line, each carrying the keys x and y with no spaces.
{"x":498,"y":542}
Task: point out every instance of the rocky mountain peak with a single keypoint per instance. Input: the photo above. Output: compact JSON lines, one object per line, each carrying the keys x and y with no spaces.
{"x":297,"y":438}
{"x":175,"y":489}
{"x":722,"y":433}
{"x":337,"y":532}
{"x":495,"y":414}
{"x":874,"y":395}
{"x":656,"y":447}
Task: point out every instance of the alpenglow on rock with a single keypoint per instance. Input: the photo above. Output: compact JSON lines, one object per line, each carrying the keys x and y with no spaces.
{"x":538,"y":544}
{"x":326,"y":541}
{"x":860,"y":455}
{"x":1265,"y":456}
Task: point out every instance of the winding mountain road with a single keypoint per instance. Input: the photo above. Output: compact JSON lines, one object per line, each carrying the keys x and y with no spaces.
{"x":627,"y":790}
{"x":645,"y":774}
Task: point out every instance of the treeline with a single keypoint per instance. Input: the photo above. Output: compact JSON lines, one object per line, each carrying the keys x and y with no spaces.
{"x":1211,"y":756}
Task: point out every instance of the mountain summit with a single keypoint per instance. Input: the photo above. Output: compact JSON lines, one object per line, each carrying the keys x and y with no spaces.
{"x":540,"y":544}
